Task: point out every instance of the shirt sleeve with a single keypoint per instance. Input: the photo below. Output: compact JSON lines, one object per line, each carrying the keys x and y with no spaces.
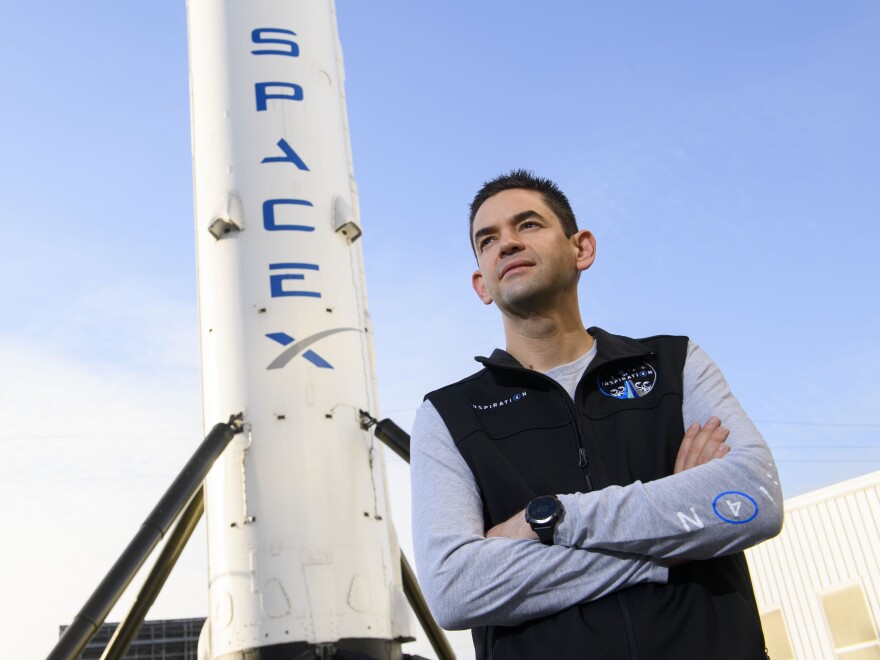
{"x":710,"y":510}
{"x":469,"y":580}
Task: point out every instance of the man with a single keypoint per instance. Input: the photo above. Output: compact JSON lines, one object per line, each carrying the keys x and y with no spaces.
{"x":566,"y":503}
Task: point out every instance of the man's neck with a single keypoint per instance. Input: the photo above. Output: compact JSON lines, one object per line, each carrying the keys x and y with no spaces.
{"x":544,"y":342}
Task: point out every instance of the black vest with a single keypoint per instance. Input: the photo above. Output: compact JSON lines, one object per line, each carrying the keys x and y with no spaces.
{"x":523,"y":436}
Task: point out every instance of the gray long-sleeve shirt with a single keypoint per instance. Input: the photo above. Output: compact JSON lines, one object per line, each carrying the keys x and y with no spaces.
{"x":714,"y":509}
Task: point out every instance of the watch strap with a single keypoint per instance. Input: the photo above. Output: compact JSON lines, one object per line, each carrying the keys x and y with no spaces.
{"x":545,"y":532}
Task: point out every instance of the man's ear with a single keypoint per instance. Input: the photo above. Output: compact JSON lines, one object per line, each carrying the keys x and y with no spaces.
{"x":585,"y":243}
{"x":480,"y":287}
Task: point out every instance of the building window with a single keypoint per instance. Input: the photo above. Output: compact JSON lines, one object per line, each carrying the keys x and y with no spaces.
{"x":853,"y":630}
{"x":775,"y":635}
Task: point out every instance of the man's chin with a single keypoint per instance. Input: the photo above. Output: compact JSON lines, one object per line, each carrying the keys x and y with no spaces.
{"x":520,"y":298}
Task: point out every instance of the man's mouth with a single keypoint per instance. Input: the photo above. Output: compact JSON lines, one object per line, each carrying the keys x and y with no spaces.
{"x":515,"y":266}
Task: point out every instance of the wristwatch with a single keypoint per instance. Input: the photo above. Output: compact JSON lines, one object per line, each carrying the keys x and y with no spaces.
{"x":542,"y":514}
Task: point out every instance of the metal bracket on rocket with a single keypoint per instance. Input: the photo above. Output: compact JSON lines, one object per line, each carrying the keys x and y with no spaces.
{"x":394,"y":437}
{"x":228,"y":219}
{"x":344,"y":221}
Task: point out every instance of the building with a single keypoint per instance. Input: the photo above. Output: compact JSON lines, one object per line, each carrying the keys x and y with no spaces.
{"x":172,"y":639}
{"x":818,"y":583}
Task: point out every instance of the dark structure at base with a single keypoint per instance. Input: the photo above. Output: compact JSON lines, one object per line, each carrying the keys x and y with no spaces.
{"x":172,"y":639}
{"x":344,"y":649}
{"x":178,"y":639}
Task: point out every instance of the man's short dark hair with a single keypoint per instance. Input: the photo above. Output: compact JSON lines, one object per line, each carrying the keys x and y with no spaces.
{"x":553,"y":196}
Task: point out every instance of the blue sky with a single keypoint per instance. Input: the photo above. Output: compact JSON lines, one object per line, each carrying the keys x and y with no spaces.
{"x":725,"y":156}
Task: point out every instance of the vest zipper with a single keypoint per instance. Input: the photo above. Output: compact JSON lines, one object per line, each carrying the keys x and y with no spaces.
{"x":583,"y":461}
{"x":584,"y":465}
{"x":632,"y":649}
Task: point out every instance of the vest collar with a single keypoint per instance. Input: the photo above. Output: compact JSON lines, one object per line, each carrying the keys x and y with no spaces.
{"x":610,"y":348}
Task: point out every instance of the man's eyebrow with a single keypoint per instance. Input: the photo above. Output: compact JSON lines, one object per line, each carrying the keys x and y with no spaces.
{"x":515,"y":219}
{"x":482,"y":232}
{"x":523,"y":215}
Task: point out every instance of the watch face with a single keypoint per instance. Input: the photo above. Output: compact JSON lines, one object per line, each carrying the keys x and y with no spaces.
{"x":542,"y":509}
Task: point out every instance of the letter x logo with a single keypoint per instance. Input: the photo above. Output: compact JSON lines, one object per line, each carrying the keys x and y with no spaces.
{"x":294,"y":348}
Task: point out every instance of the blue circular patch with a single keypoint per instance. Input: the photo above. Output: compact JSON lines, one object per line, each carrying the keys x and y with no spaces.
{"x":738,"y":507}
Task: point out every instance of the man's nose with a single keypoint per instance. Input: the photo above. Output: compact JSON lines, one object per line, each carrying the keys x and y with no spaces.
{"x":509,"y":243}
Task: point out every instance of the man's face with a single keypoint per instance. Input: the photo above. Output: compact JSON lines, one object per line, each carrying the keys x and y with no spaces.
{"x":525,"y":260}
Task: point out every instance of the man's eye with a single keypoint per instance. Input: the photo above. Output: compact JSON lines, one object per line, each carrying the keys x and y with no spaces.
{"x":485,"y":241}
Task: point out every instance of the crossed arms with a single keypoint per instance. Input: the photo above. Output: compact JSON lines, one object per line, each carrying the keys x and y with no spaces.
{"x":471,"y":580}
{"x":700,"y":445}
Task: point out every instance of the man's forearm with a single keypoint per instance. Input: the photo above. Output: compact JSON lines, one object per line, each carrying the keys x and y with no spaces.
{"x":470,"y":580}
{"x":710,"y":510}
{"x":505,"y":582}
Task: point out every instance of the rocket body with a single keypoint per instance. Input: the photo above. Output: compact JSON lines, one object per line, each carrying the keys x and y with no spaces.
{"x":300,"y":543}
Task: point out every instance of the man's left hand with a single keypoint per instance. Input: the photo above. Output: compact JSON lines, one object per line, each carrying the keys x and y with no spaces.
{"x":514,"y":527}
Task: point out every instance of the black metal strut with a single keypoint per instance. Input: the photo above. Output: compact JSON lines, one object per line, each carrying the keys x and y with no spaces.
{"x":186,"y":491}
{"x":98,"y":606}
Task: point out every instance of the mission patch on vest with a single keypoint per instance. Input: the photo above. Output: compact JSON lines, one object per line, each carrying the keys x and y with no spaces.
{"x":628,"y":381}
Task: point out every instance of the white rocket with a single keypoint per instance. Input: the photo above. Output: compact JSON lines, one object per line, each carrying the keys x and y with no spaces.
{"x":302,"y":554}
